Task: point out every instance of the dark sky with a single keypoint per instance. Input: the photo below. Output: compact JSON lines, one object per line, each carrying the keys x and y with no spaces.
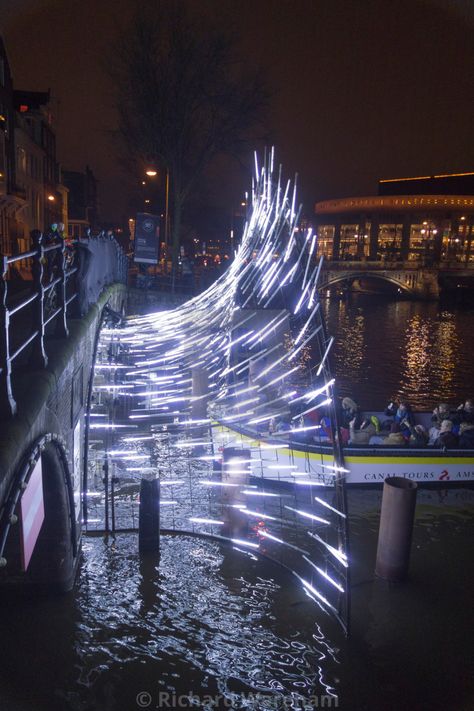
{"x":363,"y":89}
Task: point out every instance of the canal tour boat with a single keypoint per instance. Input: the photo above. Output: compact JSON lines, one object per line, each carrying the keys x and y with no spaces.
{"x":282,"y":459}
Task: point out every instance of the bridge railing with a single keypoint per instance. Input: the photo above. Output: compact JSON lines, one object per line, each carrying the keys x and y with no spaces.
{"x":65,"y":282}
{"x":393,"y":264}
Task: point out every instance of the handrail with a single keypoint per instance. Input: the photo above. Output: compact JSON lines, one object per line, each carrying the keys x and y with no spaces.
{"x":60,"y":285}
{"x":19,"y":257}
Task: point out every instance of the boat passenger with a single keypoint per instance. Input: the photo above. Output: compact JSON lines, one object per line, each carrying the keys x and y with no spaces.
{"x":350,"y":411}
{"x":465,"y":412}
{"x":391,"y":408}
{"x":362,"y":435}
{"x":466,"y":435}
{"x":404,"y":415}
{"x":395,"y":438}
{"x":441,"y":412}
{"x":418,"y":436}
{"x":447,"y":439}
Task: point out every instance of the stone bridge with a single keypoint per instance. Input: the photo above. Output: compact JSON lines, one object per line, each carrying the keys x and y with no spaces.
{"x":410,"y":277}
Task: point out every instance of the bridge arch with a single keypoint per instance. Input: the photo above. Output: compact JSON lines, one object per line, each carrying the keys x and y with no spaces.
{"x":54,"y":558}
{"x":333,"y":280}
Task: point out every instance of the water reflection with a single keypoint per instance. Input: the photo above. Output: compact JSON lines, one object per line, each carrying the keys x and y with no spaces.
{"x":421,"y":350}
{"x":203,"y":622}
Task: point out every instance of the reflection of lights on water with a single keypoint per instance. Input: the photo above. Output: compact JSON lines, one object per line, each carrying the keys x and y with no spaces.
{"x":316,"y":593}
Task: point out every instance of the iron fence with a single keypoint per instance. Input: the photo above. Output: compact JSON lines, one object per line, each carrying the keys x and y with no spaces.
{"x":65,"y":281}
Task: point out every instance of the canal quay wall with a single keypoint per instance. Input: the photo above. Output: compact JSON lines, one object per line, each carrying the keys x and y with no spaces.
{"x":145,"y":301}
{"x":49,"y":428}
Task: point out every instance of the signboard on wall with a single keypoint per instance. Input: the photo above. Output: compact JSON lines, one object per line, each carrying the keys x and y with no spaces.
{"x":31,"y":514}
{"x":147,"y":238}
{"x":76,"y":467}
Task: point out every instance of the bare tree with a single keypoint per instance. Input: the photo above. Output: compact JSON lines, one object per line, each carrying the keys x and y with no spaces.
{"x":183,"y":97}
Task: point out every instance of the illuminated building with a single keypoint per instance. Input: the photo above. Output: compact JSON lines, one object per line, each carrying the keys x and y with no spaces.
{"x":426,"y":218}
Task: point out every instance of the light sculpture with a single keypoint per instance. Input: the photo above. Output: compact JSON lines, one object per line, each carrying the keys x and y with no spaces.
{"x":274,"y":264}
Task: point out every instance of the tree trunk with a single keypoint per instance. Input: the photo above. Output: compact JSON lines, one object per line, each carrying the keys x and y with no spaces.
{"x":177,"y":209}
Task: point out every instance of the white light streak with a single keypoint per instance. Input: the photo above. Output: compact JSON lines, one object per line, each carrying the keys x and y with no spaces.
{"x":311,"y":516}
{"x":240,"y":542}
{"x":328,"y":506}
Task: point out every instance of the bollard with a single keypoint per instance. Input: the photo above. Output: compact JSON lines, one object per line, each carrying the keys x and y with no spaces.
{"x":396,"y":527}
{"x":149,"y":516}
{"x":200,"y":391}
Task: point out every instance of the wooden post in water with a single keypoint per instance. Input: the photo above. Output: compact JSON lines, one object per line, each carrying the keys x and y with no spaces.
{"x":396,"y":528}
{"x":149,"y":516}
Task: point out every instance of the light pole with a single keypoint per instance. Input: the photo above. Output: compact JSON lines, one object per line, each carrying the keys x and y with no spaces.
{"x":152,"y":173}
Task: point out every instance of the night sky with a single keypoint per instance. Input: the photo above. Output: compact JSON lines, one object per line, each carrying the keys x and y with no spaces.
{"x":363,"y":89}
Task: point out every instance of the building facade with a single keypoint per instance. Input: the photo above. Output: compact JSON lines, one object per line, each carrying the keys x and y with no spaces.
{"x":411,"y":219}
{"x":83,"y":202}
{"x":37,"y":169}
{"x":12,"y":197}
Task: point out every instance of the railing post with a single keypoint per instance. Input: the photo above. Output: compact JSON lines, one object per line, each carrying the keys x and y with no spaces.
{"x":61,"y":324}
{"x":8,"y":405}
{"x":38,"y":357}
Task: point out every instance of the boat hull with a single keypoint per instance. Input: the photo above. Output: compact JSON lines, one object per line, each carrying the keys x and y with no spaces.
{"x":299,"y":463}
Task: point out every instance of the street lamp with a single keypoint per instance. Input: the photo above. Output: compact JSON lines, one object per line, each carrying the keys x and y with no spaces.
{"x":152,"y":173}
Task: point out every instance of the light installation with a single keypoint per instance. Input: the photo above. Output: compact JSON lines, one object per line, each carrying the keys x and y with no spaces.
{"x":223,"y":398}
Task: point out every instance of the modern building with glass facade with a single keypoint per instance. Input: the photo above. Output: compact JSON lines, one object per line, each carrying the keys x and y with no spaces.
{"x":427,"y":219}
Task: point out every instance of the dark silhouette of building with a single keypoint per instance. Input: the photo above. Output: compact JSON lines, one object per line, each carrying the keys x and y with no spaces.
{"x":36,"y":120}
{"x":83,"y":202}
{"x":12,"y":198}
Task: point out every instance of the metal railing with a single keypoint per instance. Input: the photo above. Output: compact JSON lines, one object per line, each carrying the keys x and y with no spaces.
{"x":53,"y":267}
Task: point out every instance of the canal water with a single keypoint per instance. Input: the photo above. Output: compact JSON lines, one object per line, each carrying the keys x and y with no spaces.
{"x":208,"y":626}
{"x":423,"y":351}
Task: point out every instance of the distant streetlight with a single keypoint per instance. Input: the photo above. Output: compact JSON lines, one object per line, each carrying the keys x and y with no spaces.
{"x":152,"y":173}
{"x":51,"y":198}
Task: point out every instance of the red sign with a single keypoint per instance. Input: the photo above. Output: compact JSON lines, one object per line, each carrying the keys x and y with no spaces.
{"x":32,"y":514}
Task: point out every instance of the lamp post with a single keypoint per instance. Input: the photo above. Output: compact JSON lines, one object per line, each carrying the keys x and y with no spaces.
{"x":152,"y":173}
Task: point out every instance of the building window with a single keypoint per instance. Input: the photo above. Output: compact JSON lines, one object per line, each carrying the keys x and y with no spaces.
{"x":456,"y":243}
{"x":353,"y":244}
{"x":422,"y":238}
{"x":389,"y":242}
{"x":325,"y":244}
